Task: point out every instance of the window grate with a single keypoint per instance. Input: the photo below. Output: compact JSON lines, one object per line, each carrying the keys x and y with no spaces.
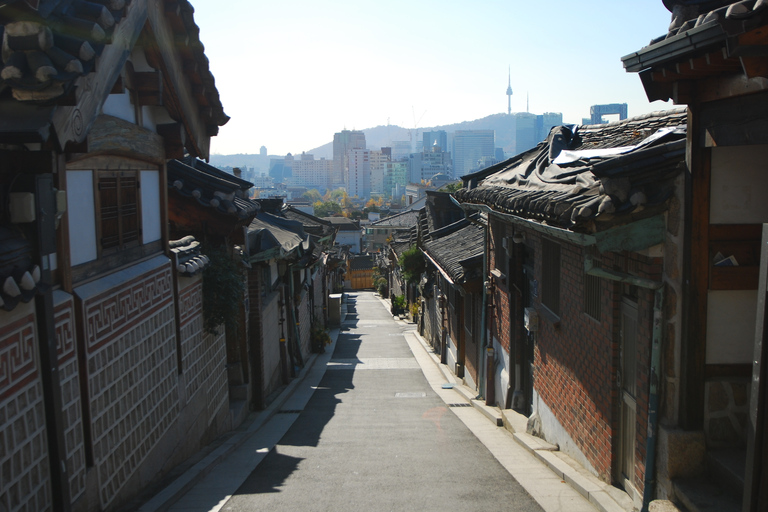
{"x":592,"y":305}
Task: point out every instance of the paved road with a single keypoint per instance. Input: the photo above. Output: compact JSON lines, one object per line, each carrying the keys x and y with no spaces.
{"x":370,"y":428}
{"x":375,"y":436}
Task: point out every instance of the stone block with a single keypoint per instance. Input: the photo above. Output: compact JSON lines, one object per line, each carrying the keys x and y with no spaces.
{"x":680,"y":453}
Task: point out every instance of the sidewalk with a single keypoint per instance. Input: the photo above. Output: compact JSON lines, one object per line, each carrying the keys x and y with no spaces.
{"x":602,"y":496}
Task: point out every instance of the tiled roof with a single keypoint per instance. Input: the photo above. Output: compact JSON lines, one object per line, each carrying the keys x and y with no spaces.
{"x":343,"y":223}
{"x":705,"y":31}
{"x":268,"y":231}
{"x":211,"y":187}
{"x":19,"y":276}
{"x":591,"y":178}
{"x":187,"y":256}
{"x":361,"y":263}
{"x":399,"y":220}
{"x":312,"y":224}
{"x":457,"y":250}
{"x":48,"y":44}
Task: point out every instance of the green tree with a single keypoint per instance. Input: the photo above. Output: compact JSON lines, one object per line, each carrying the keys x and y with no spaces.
{"x":313,"y":195}
{"x":452,"y":187}
{"x":413,"y":265}
{"x":327,"y":209}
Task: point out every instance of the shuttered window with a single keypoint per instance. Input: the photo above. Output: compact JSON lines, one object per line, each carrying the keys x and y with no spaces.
{"x":550,"y":275}
{"x":119,"y":222}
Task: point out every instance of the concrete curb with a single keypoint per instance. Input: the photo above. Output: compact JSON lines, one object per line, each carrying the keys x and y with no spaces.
{"x":174,"y":491}
{"x":604,"y":497}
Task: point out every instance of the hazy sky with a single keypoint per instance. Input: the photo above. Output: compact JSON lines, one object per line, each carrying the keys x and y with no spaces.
{"x":292,"y":72}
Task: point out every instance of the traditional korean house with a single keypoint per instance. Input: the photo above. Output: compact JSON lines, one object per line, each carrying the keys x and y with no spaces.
{"x":452,"y":296}
{"x":214,"y":206}
{"x":108,"y":380}
{"x":283,"y":277}
{"x":713,"y":59}
{"x":582,"y":233}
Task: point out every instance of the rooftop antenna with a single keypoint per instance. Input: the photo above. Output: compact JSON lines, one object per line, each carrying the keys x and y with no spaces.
{"x":509,"y":92}
{"x":527,"y":104}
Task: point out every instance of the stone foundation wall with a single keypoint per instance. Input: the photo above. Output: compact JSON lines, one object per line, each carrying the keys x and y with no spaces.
{"x":24,"y":465}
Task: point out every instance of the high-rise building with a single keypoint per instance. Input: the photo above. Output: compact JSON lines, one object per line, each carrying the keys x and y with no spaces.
{"x":438,"y":137}
{"x":400,"y":150}
{"x":396,"y":178}
{"x":526,"y":134}
{"x":469,"y":146}
{"x":263,"y":151}
{"x":358,"y":176}
{"x":378,"y":162}
{"x":311,"y":173}
{"x":545,"y":122}
{"x":343,"y":142}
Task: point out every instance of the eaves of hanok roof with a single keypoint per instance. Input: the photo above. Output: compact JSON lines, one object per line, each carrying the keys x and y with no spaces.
{"x":402,"y":220}
{"x":61,"y":59}
{"x":19,"y":275}
{"x":269,"y":236}
{"x":458,"y":252}
{"x":211,"y":187}
{"x":587,"y":179}
{"x":398,"y":247}
{"x":361,"y":262}
{"x":440,"y":211}
{"x":727,"y":40}
{"x":313,"y":225}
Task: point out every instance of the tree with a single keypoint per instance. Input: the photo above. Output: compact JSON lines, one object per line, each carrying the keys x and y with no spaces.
{"x":313,"y":195}
{"x":413,"y":265}
{"x":327,"y":209}
{"x":452,"y":187}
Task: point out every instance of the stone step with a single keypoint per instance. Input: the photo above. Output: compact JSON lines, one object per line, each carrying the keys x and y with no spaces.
{"x":701,"y":494}
{"x":727,"y":467}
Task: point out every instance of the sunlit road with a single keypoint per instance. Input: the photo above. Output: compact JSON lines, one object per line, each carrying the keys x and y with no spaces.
{"x":375,"y":436}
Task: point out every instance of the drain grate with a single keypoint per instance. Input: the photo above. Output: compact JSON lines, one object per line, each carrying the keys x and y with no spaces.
{"x":465,"y":404}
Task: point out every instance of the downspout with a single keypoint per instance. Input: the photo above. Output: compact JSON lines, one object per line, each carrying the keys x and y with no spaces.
{"x":653,"y":399}
{"x":486,"y":290}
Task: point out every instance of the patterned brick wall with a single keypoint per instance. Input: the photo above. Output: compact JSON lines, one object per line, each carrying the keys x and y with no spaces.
{"x":203,"y":355}
{"x":132,"y":372}
{"x":271,"y":343}
{"x":69,"y":375}
{"x":24,"y":465}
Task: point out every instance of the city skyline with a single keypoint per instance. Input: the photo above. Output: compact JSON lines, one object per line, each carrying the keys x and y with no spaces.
{"x":302,"y":71}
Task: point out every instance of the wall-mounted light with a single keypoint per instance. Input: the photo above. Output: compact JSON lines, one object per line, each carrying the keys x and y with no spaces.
{"x":518,"y":237}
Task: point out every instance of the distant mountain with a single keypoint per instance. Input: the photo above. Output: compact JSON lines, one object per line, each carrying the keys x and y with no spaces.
{"x":383,"y":136}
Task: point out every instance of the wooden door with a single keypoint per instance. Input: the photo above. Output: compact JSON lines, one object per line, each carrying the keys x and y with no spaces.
{"x":627,"y":383}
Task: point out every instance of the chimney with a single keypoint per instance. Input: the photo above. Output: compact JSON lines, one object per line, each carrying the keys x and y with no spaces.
{"x":237,"y":172}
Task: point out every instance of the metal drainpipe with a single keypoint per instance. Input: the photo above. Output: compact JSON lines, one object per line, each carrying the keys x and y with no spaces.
{"x":653,"y":400}
{"x":484,"y":315}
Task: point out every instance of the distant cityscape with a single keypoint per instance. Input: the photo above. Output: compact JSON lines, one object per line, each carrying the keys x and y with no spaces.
{"x":430,"y":158}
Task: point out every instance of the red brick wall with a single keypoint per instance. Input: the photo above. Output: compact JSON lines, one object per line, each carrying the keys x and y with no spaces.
{"x":576,"y":357}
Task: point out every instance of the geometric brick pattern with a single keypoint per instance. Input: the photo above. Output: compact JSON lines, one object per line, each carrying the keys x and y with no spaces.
{"x":72,"y":411}
{"x":305,"y":325}
{"x":24,"y":466}
{"x":132,"y":374}
{"x":203,"y":355}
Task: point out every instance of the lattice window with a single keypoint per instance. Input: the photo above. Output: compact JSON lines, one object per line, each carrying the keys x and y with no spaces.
{"x":119,"y":223}
{"x":550,"y":275}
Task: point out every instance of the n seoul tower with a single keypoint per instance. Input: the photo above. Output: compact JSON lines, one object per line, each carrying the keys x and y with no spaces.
{"x":509,"y":92}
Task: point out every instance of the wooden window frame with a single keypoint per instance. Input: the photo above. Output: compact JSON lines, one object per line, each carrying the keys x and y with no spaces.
{"x":129,"y":249}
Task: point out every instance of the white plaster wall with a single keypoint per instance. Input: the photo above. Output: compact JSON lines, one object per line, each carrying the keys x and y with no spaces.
{"x":738,"y":182}
{"x":120,"y":106}
{"x":731,"y":318}
{"x":553,"y":432}
{"x":352,"y":238}
{"x":150,"y":206}
{"x":81,"y":212}
{"x":451,"y":356}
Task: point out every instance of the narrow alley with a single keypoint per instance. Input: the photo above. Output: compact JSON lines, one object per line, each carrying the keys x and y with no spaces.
{"x":371,"y":427}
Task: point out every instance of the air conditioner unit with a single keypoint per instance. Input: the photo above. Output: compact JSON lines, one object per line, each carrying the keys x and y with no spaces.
{"x":531,"y":320}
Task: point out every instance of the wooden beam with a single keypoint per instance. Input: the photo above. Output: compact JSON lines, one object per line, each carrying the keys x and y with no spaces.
{"x":174,"y":136}
{"x":149,"y":88}
{"x":754,"y":66}
{"x":113,"y":136}
{"x":72,"y":123}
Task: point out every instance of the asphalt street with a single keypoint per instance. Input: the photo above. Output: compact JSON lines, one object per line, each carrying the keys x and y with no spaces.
{"x":374,"y":436}
{"x":370,"y":428}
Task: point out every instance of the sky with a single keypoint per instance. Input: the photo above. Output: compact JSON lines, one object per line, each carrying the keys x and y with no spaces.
{"x":291,"y":73}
